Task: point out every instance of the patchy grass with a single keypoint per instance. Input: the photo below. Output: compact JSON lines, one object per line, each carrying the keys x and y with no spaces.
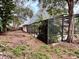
{"x":45,"y":48}
{"x":22,"y":47}
{"x":43,"y":52}
{"x":58,"y":51}
{"x":77,"y":53}
{"x":40,"y":55}
{"x":19,"y":50}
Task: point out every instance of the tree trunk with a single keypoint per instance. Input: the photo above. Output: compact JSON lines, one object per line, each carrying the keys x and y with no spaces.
{"x":4,"y":23}
{"x":14,"y":25}
{"x":71,"y":21}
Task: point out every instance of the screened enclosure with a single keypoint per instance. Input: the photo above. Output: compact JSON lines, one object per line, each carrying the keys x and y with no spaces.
{"x":52,"y":30}
{"x":45,"y":30}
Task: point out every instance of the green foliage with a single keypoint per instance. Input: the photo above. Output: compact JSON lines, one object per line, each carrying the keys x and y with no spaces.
{"x":24,"y":11}
{"x":64,"y":51}
{"x":54,"y":11}
{"x":44,"y":52}
{"x":54,"y":7}
{"x":6,"y":12}
{"x":19,"y":50}
{"x":16,"y":20}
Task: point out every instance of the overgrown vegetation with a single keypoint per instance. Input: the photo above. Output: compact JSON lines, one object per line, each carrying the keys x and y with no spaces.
{"x":40,"y":55}
{"x":47,"y":31}
{"x":43,"y":52}
{"x":6,"y":8}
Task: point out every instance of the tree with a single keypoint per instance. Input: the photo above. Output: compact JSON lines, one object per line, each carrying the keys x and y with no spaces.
{"x":6,"y":8}
{"x":71,"y":20}
{"x":23,"y":11}
{"x":53,"y":7}
{"x":70,"y":13}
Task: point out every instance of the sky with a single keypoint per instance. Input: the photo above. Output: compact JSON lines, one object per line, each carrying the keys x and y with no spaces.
{"x":76,"y":8}
{"x":35,"y":7}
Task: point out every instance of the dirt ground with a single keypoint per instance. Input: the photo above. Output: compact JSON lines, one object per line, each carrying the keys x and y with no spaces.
{"x":15,"y":38}
{"x":18,"y":37}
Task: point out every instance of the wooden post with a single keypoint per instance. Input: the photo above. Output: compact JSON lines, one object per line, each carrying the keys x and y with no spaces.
{"x":62,"y":28}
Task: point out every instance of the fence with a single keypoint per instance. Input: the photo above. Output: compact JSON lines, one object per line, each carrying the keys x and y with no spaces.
{"x":51,"y":30}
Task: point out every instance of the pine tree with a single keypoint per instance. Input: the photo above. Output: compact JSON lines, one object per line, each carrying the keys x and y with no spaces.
{"x":6,"y":8}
